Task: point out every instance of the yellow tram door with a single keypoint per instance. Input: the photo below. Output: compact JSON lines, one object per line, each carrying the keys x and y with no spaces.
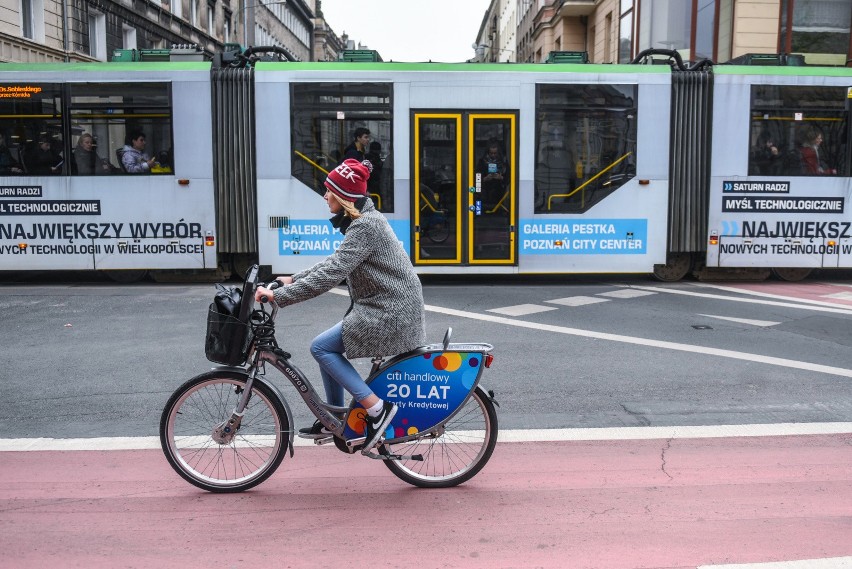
{"x":464,"y":188}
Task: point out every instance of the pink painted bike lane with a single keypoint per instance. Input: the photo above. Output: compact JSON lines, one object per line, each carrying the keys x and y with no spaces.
{"x":603,"y":504}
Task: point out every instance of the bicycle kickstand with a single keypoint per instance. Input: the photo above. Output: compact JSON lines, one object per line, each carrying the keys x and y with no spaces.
{"x":383,"y":454}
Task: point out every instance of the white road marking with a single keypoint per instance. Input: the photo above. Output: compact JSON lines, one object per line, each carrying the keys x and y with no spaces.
{"x":626,"y":293}
{"x":829,"y":563}
{"x":754,"y":358}
{"x":521,"y":309}
{"x":505,"y":436}
{"x":745,"y":356}
{"x":770,"y":295}
{"x":577,"y":300}
{"x":800,"y":304}
{"x":840,"y":295}
{"x":743,"y":320}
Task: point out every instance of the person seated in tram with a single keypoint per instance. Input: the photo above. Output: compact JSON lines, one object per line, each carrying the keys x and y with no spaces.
{"x":765,"y":157}
{"x":8,"y":164}
{"x":809,"y":150}
{"x":87,"y":162}
{"x":43,"y":160}
{"x":134,"y":159}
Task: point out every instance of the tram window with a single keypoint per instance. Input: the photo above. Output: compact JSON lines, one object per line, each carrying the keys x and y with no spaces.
{"x":324,"y":119}
{"x":112,"y":113}
{"x":31,"y":130}
{"x":798,"y":130}
{"x":585,"y":144}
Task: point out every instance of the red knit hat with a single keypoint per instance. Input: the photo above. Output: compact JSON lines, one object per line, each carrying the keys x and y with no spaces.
{"x":349,"y":180}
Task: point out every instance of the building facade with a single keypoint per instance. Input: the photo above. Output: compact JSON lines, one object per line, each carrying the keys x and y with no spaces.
{"x":91,"y":30}
{"x":616,"y":31}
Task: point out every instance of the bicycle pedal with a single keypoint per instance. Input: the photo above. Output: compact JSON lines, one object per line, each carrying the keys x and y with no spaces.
{"x":324,"y":441}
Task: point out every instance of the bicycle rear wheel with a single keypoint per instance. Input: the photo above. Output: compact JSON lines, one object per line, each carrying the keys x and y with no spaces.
{"x":454,"y":455}
{"x":201,"y":405}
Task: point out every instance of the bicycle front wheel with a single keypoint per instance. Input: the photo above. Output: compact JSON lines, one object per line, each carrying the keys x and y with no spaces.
{"x":454,"y":455}
{"x":198,"y":408}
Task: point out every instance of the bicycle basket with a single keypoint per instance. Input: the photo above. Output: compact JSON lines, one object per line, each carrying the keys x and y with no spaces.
{"x":228,"y":339}
{"x":229,"y":332}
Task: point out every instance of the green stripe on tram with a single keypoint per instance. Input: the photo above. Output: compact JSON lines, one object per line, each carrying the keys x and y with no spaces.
{"x":465,"y":67}
{"x":791,"y":71}
{"x":123,"y":67}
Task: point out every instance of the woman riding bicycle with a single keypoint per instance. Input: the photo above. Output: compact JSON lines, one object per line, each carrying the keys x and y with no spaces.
{"x":386,"y":316}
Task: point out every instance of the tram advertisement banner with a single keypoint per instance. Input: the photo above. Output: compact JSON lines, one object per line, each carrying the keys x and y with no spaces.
{"x":584,"y":237}
{"x":781,"y":223}
{"x":127,"y":229}
{"x":317,"y":237}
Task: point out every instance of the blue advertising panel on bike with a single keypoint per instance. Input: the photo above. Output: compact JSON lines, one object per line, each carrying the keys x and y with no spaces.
{"x":427,"y":388}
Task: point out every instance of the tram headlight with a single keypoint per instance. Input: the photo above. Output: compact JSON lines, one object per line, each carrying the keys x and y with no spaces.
{"x":209,"y":240}
{"x":714,"y":238}
{"x":22,"y":246}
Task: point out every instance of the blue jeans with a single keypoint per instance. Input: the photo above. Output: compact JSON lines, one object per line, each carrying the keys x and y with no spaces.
{"x":337,"y":373}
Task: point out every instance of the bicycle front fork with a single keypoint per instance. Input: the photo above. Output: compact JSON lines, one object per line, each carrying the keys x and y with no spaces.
{"x":224,"y":432}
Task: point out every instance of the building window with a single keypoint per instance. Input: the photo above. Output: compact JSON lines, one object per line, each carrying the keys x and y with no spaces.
{"x":226,"y":27}
{"x":665,"y":24}
{"x":705,"y":24}
{"x":819,"y":29}
{"x":625,"y":34}
{"x":32,"y":19}
{"x":177,"y":8}
{"x":608,"y":38}
{"x":128,"y":37}
{"x":211,"y":19}
{"x":193,"y":12}
{"x":97,"y":35}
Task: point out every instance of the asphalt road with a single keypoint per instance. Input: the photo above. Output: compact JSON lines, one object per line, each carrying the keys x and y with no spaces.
{"x":99,"y":359}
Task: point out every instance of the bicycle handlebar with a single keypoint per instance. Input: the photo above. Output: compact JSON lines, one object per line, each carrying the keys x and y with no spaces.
{"x":271,"y":286}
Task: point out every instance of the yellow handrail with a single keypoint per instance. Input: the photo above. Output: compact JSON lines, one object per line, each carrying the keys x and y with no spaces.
{"x":311,"y":162}
{"x":376,"y":197}
{"x":587,"y":182}
{"x":500,"y":203}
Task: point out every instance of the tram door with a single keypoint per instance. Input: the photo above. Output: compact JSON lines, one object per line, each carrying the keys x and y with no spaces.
{"x":464,"y":188}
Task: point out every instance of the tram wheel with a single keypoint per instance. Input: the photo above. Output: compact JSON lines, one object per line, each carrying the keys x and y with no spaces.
{"x":791,"y":274}
{"x":126,"y":275}
{"x":241,"y":262}
{"x":677,"y":266}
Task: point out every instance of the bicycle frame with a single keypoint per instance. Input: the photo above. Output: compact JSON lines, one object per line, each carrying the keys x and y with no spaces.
{"x":429,"y":385}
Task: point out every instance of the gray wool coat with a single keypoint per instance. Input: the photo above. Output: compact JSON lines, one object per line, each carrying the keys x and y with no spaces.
{"x":387,"y":316}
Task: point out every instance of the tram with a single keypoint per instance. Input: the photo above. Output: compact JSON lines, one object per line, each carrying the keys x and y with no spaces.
{"x":67,"y":200}
{"x":480,"y":168}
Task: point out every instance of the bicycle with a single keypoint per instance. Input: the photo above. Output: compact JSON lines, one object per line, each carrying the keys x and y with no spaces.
{"x":436,"y":226}
{"x":229,"y":429}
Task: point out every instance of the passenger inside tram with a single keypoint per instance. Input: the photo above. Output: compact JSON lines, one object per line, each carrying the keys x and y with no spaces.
{"x":813,"y":161}
{"x":495,"y":175}
{"x":44,"y":159}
